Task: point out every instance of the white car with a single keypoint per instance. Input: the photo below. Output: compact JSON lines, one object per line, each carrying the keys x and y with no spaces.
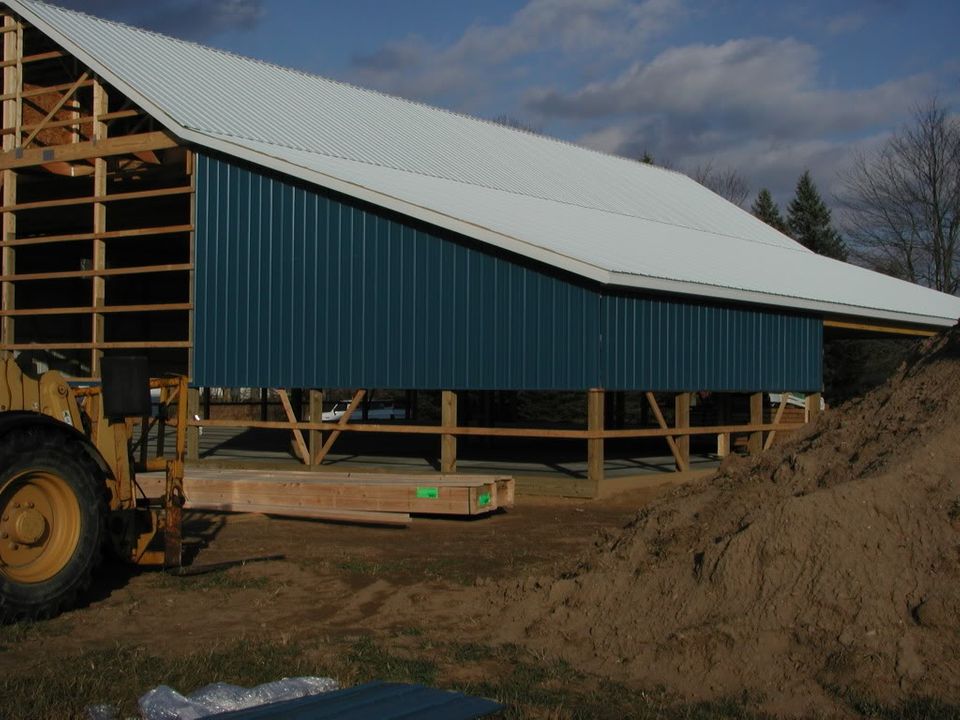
{"x":376,"y":410}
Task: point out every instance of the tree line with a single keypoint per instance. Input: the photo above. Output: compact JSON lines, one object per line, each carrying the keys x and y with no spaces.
{"x":899,"y":203}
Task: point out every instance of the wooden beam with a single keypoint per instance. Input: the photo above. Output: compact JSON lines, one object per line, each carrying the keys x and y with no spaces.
{"x":681,"y":405}
{"x":340,"y":425}
{"x":64,"y":202}
{"x":109,"y":272}
{"x":106,"y":309}
{"x":80,"y":120}
{"x":316,"y":415}
{"x":124,"y":145}
{"x":547,"y":433}
{"x":12,"y":117}
{"x":193,"y":434}
{"x":784,"y":396}
{"x":596,"y":402}
{"x":126,"y":345}
{"x":448,"y":441}
{"x":111,"y":235}
{"x":755,"y":443}
{"x":812,"y":403}
{"x":39,"y":91}
{"x":877,"y":328}
{"x":671,"y":442}
{"x":302,"y":450}
{"x":98,"y":320}
{"x":39,"y":57}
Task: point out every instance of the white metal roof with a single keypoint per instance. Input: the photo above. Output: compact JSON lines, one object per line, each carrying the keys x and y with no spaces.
{"x":607,"y":218}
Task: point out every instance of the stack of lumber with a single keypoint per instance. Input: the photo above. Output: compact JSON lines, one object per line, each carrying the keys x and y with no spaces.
{"x":353,"y":497}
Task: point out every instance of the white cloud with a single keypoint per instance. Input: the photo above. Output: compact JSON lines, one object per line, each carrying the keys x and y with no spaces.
{"x":485,"y":55}
{"x":756,"y":105}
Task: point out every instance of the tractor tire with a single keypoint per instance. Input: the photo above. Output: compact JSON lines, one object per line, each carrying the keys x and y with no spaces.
{"x":52,"y":523}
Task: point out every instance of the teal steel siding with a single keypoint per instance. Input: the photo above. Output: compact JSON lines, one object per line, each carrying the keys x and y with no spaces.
{"x":670,"y":345}
{"x":297,"y":288}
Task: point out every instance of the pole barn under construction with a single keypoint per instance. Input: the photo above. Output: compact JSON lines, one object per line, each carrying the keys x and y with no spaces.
{"x":253,"y":226}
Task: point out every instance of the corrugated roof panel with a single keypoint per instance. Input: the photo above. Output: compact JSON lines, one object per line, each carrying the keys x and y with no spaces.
{"x":608,"y":218}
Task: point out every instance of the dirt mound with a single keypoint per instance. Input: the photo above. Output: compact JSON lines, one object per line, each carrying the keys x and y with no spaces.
{"x":829,"y":566}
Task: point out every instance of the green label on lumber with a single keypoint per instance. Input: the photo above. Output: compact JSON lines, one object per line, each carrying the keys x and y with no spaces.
{"x":484,"y":499}
{"x":428,"y":493}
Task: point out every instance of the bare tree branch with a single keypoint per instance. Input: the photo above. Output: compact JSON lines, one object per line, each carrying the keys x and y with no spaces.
{"x":902,"y":203}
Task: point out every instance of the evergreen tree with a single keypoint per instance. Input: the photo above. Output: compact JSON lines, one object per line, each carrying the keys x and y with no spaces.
{"x":809,"y":221}
{"x":767,"y":210}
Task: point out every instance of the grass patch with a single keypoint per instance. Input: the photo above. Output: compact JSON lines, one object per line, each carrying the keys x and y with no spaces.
{"x":218,"y":580}
{"x":17,"y":633}
{"x":120,"y":675}
{"x":367,"y":661}
{"x":922,"y":708}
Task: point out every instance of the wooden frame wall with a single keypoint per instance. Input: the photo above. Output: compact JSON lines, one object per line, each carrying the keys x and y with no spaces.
{"x":757,"y":431}
{"x":97,"y":212}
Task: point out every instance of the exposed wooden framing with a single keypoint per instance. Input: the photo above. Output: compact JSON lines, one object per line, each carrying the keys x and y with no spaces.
{"x":39,"y":57}
{"x":877,"y":328}
{"x":316,"y":415}
{"x":681,"y":405}
{"x":336,"y":428}
{"x":123,"y":145}
{"x":193,"y":433}
{"x":109,"y":272}
{"x":80,"y":120}
{"x":784,"y":396}
{"x":126,"y":345}
{"x":755,"y":443}
{"x":724,"y":440}
{"x":812,"y":403}
{"x":105,"y":310}
{"x":671,"y":442}
{"x":37,"y":92}
{"x":38,"y":128}
{"x":548,"y":433}
{"x":64,"y":202}
{"x":113,"y":234}
{"x":191,"y":327}
{"x":448,"y":441}
{"x":596,"y":402}
{"x":100,"y":107}
{"x":302,"y":450}
{"x":12,"y":87}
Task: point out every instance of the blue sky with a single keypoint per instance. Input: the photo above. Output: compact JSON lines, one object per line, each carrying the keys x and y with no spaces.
{"x":769,"y":89}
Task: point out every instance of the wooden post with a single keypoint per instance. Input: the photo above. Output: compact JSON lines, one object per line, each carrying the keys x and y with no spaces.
{"x":681,"y":405}
{"x":448,"y":443}
{"x":724,"y":414}
{"x":813,"y":406}
{"x":100,"y":108}
{"x":12,"y":119}
{"x":316,"y":415}
{"x":263,"y":403}
{"x":193,"y":433}
{"x":755,"y":444}
{"x":595,"y":416}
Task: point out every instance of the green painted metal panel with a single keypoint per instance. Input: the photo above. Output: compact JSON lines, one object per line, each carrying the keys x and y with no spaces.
{"x":301,"y":287}
{"x":675,"y":345}
{"x":297,"y":287}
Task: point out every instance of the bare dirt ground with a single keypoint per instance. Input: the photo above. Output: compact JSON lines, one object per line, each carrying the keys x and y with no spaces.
{"x":381,"y":597}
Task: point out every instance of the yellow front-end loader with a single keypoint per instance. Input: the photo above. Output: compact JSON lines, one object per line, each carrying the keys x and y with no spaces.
{"x":68,"y":489}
